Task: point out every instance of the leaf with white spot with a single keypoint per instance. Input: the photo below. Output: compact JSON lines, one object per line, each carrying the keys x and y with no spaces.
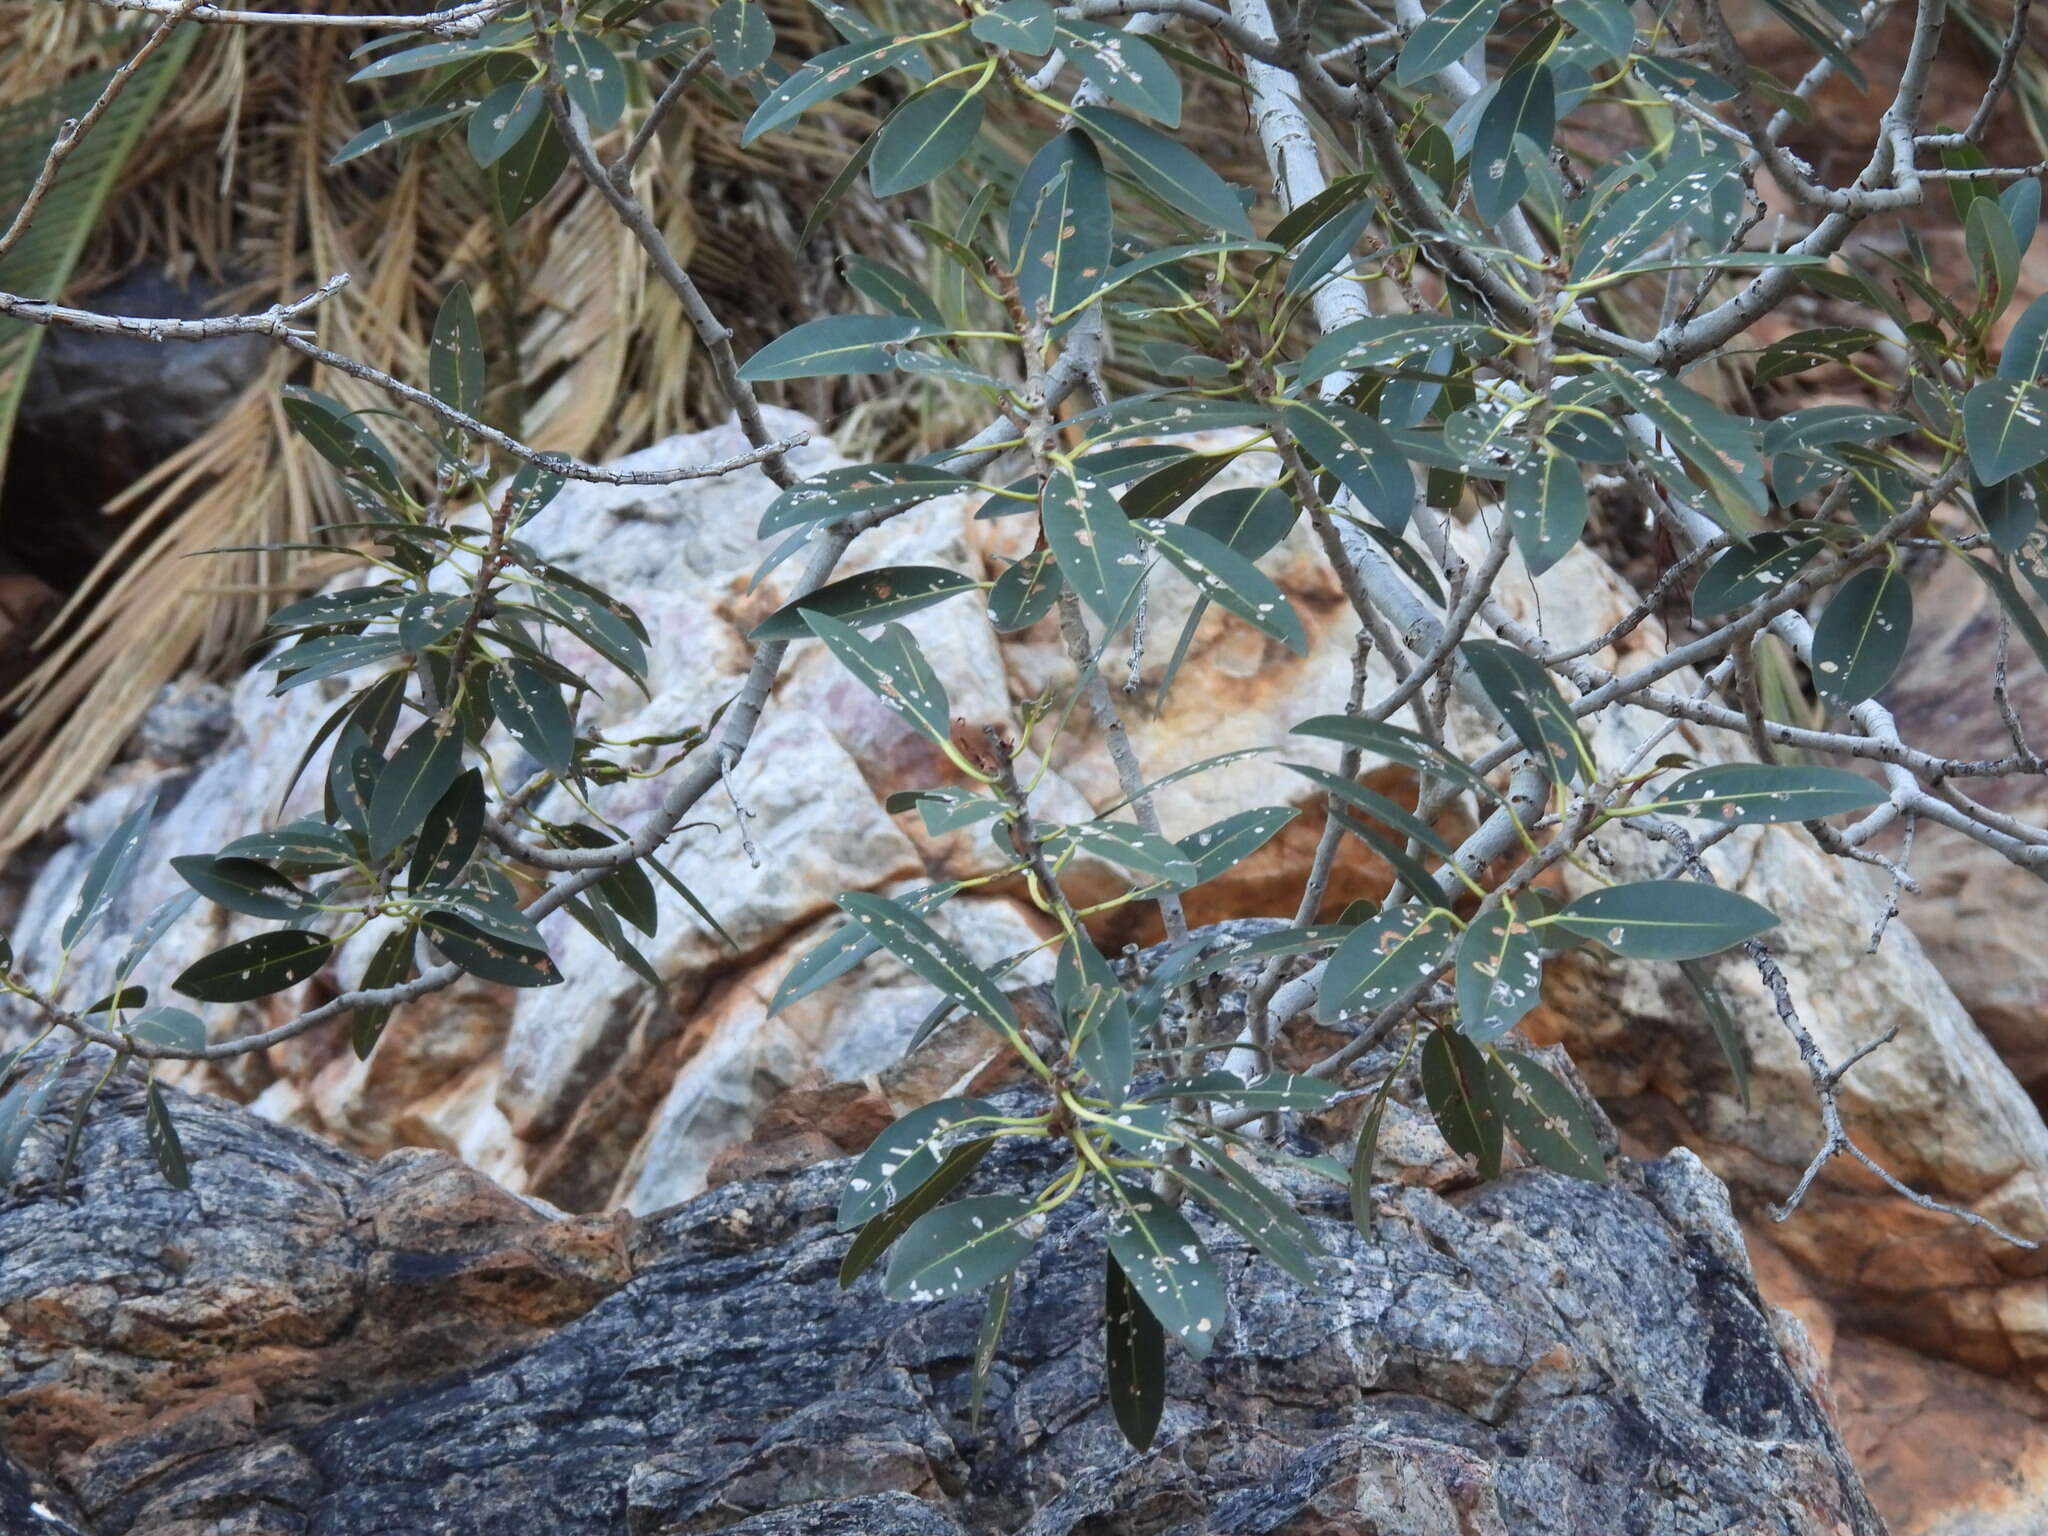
{"x":1454,"y":1084}
{"x":112,"y":863}
{"x":1167,"y":1266}
{"x":868,"y":598}
{"x":1226,"y":577}
{"x":961,"y":1247}
{"x":1544,"y":1115}
{"x":1379,"y":960}
{"x":893,"y":669}
{"x":1134,"y":1358}
{"x":932,"y":956}
{"x":1093,"y":539}
{"x":1745,"y":794}
{"x":1225,"y":844}
{"x":1534,"y":710}
{"x":255,"y":967}
{"x":1666,"y":919}
{"x":903,"y":1157}
{"x":1862,"y":636}
{"x":1499,"y":974}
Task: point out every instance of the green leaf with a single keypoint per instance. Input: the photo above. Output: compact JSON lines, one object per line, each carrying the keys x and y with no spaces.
{"x":1228,"y":579}
{"x":1357,"y":450}
{"x":1225,"y":844}
{"x":1862,"y":635}
{"x":1135,"y":847}
{"x":1123,"y":67}
{"x":606,"y":626}
{"x":1398,"y":745}
{"x":1252,"y":520}
{"x":868,"y":598}
{"x":986,"y":1342}
{"x":893,"y":669}
{"x":486,"y":954}
{"x":105,"y":877}
{"x":1454,"y":1082}
{"x":123,"y":1000}
{"x":1741,"y":575}
{"x":831,"y":73}
{"x":1546,"y":505}
{"x":1260,"y":1216}
{"x":594,"y":79}
{"x":1643,"y":215}
{"x":742,"y":37}
{"x":856,"y":488}
{"x":1378,"y":960}
{"x":1544,"y":1115}
{"x":243,"y":885}
{"x":1022,"y":26}
{"x":1100,"y":1031}
{"x":1134,"y":1358}
{"x":425,"y":620}
{"x":935,"y":958}
{"x":1386,"y":341}
{"x":400,"y":126}
{"x":1025,"y":593}
{"x":1534,"y":710}
{"x":20,"y":1107}
{"x":1060,"y":226}
{"x":1363,"y":1157}
{"x":1524,"y":105}
{"x":162,"y":1136}
{"x":923,"y":138}
{"x":449,"y":836}
{"x":895,"y":293}
{"x":1499,"y":974}
{"x":455,"y":356}
{"x":1095,"y":543}
{"x":419,"y":773}
{"x":1444,"y":37}
{"x":170,"y":1027}
{"x":898,"y":1161}
{"x":1746,"y":794}
{"x":503,"y":119}
{"x":1666,"y":919}
{"x":325,"y":656}
{"x":338,"y":435}
{"x":1377,"y":806}
{"x":390,"y":964}
{"x":837,"y":344}
{"x":255,"y":967}
{"x":2005,"y":427}
{"x":1168,"y":170}
{"x":1988,"y":238}
{"x":961,"y":1247}
{"x":529,"y":705}
{"x":532,"y":488}
{"x":1721,"y":449}
{"x":405,"y":61}
{"x":527,"y":171}
{"x":877,"y":1237}
{"x":1167,"y":1266}
{"x":1727,"y":1034}
{"x":1606,"y":24}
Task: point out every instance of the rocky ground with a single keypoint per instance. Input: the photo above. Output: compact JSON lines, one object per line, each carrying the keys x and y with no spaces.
{"x":604,"y":1096}
{"x":307,"y":1342}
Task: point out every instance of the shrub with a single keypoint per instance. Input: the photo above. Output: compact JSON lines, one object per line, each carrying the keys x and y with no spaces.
{"x":1502,"y":252}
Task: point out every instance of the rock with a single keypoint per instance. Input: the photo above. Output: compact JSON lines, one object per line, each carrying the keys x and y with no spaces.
{"x":602,"y":1094}
{"x":309,"y":1342}
{"x":100,"y":411}
{"x":1978,"y":916}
